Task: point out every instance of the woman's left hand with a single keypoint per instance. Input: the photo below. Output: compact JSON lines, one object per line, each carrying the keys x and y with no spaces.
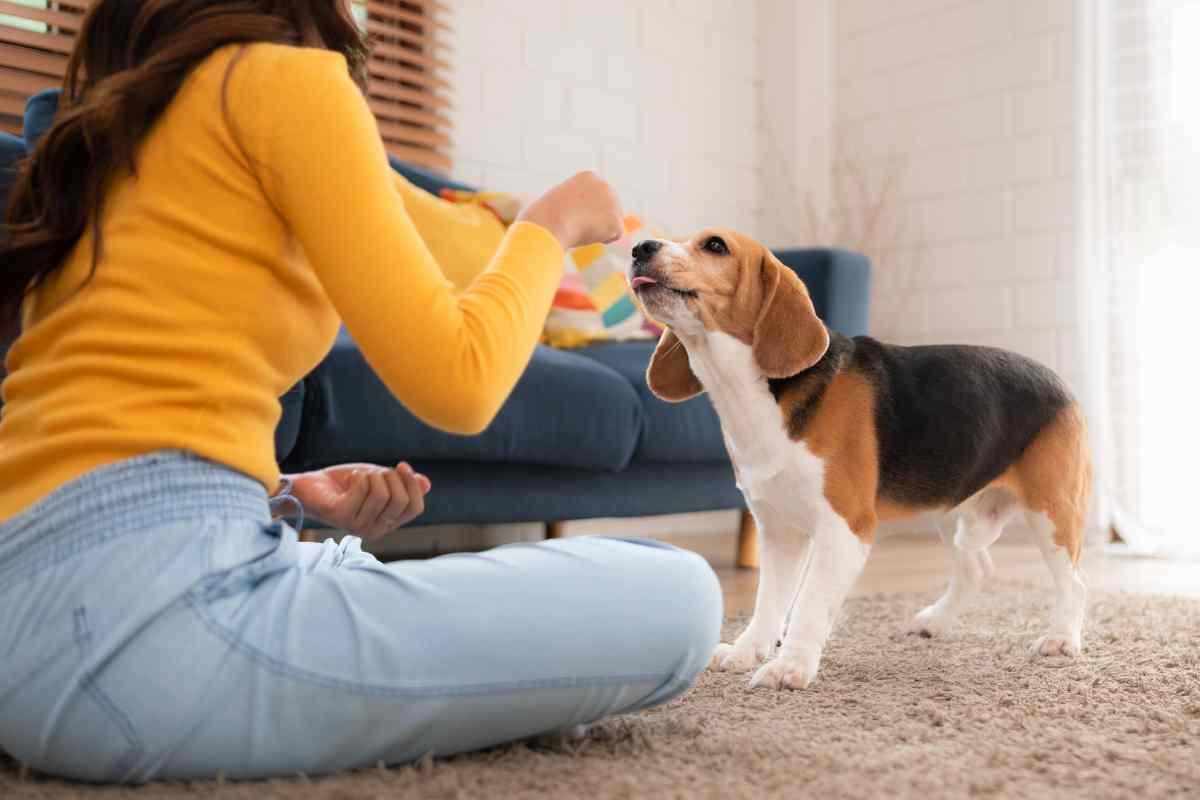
{"x":364,"y":499}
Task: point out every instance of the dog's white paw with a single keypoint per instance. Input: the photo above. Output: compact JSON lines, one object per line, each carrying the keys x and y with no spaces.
{"x":1056,"y":645}
{"x":929,"y":622}
{"x":785,"y":673}
{"x":735,"y":657}
{"x":744,"y":654}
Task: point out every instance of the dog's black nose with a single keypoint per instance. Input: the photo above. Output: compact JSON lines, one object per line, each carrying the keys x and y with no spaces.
{"x":645,"y":249}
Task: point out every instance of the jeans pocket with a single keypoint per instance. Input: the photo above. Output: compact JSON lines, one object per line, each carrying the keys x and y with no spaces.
{"x":53,"y":714}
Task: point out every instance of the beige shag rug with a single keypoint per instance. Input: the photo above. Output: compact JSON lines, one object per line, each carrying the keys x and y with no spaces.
{"x":969,"y":715}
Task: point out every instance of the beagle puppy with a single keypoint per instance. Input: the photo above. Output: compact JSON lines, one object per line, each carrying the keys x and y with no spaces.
{"x":829,"y":436}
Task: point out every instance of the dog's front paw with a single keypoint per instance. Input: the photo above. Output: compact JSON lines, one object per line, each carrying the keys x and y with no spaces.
{"x":737,"y":657}
{"x":1056,"y":645}
{"x":785,"y":673}
{"x":929,"y":622}
{"x":744,"y":654}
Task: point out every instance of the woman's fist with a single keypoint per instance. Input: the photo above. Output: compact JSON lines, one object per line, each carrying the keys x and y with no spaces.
{"x":581,"y":210}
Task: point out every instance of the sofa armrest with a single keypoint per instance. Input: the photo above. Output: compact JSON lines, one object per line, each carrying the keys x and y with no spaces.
{"x":39,"y":115}
{"x":849,"y":292}
{"x":839,"y":282}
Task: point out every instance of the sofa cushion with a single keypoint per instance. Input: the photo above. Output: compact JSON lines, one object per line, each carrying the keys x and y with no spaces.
{"x":567,"y":411}
{"x":673,"y":432}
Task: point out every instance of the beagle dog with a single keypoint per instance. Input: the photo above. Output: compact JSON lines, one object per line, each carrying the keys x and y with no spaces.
{"x":830,"y":436}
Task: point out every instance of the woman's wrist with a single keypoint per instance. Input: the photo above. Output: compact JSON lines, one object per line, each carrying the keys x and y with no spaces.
{"x":547,"y":223}
{"x":285,"y":485}
{"x":284,"y":499}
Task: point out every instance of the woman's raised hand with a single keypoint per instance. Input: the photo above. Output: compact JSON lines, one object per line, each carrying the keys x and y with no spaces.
{"x":581,"y":210}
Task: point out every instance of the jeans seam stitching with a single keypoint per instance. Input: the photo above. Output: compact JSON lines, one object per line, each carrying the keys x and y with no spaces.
{"x":288,"y":670}
{"x":83,"y":639}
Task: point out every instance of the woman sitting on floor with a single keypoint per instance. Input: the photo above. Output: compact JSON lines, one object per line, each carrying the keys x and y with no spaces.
{"x":211,"y":201}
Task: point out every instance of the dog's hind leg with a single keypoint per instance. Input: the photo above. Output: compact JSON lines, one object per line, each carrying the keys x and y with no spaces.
{"x":1066,"y":617}
{"x":1055,"y":479}
{"x":968,"y":572}
{"x":984,"y":517}
{"x":981,"y":522}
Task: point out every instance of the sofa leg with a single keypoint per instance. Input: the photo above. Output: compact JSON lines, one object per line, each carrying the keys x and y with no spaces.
{"x":555,"y":530}
{"x":747,"y":544}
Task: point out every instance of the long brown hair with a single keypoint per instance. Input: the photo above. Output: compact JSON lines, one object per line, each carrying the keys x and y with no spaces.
{"x":129,"y":60}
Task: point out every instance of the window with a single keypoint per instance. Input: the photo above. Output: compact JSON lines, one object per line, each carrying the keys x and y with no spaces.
{"x":1142,"y":209}
{"x":35,"y":41}
{"x":408,"y":89}
{"x":22,"y":23}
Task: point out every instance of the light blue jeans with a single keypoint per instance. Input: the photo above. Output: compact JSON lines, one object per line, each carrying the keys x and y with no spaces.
{"x":155,"y":623}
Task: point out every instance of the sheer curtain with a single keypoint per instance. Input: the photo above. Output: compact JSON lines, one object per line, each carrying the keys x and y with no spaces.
{"x":1140,"y":265}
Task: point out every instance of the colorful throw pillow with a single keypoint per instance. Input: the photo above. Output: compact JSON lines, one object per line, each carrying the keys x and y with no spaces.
{"x":594,"y":302}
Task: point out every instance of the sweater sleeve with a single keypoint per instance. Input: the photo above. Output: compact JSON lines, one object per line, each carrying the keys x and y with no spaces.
{"x":451,"y":357}
{"x":463,"y":237}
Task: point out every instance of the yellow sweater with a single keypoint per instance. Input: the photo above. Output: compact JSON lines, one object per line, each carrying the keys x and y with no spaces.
{"x":225,"y":265}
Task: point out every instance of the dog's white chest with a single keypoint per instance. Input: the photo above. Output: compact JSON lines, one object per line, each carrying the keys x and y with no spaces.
{"x":771,"y":467}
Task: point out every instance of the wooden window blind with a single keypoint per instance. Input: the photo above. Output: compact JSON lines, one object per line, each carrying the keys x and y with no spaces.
{"x":35,"y":40}
{"x":408,"y":87}
{"x":408,"y":90}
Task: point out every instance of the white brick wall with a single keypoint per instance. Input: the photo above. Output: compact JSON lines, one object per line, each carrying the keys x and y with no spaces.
{"x":661,"y":96}
{"x":976,"y":103}
{"x":682,"y":105}
{"x":796,"y":56}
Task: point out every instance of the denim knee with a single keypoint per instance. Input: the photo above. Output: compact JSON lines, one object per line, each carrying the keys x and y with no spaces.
{"x":688,"y":608}
{"x":701,"y":598}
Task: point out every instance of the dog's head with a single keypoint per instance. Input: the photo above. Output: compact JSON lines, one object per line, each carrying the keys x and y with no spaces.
{"x":719,"y":280}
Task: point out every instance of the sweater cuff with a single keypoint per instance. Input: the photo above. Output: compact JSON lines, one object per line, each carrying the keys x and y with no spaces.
{"x":532,"y":255}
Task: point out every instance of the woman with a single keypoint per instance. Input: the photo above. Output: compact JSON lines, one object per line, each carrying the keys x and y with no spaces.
{"x":212,"y":199}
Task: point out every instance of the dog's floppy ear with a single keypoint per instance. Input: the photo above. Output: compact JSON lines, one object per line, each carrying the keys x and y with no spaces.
{"x":788,"y":337}
{"x":670,"y":374}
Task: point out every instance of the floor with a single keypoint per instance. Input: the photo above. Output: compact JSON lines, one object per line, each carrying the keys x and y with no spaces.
{"x":906,"y":562}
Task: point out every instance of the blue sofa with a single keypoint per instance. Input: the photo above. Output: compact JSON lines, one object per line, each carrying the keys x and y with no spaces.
{"x":581,"y":436}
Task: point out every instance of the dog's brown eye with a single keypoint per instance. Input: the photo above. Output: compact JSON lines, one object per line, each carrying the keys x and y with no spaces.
{"x":715,"y":244}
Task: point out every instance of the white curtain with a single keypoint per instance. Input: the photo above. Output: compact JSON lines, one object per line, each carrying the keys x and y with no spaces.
{"x":1139,"y":274}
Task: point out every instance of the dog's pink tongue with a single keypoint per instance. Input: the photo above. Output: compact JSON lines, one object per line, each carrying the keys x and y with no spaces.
{"x":642,"y":280}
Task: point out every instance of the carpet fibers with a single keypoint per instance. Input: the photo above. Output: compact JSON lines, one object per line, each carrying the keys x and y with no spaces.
{"x":968,"y":715}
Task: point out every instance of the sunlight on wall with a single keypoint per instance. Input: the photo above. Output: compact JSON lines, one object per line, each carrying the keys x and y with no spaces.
{"x":1185,"y":100}
{"x":1169,"y":285}
{"x":1169,"y":387}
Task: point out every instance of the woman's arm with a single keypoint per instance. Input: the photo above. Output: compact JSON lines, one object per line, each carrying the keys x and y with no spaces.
{"x":451,"y":358}
{"x":462,"y":237}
